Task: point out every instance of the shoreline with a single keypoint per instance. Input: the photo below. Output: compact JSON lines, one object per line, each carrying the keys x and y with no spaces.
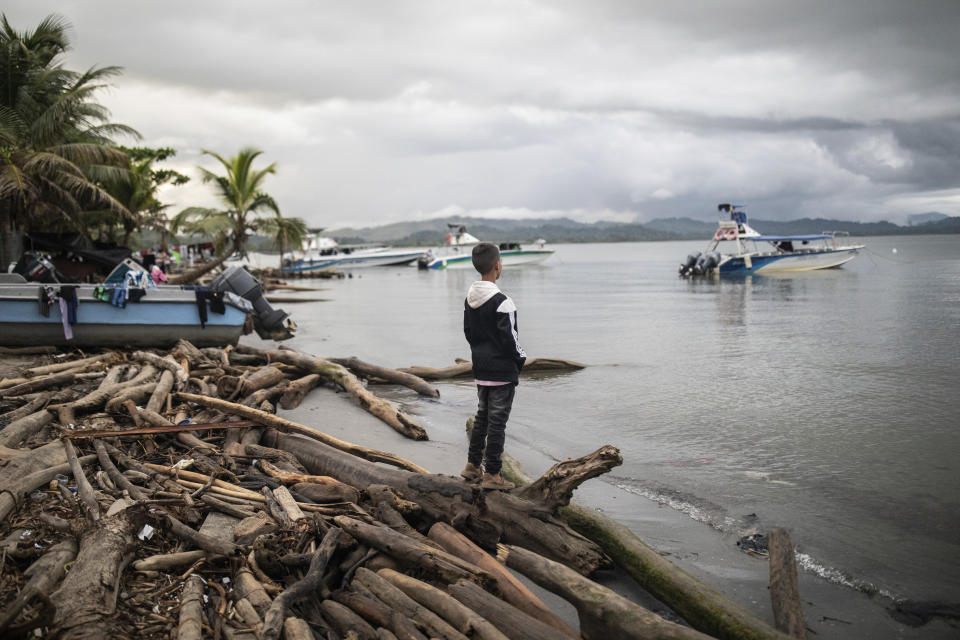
{"x":832,"y":611}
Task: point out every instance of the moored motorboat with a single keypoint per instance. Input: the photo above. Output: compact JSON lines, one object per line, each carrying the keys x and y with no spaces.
{"x":747,"y":251}
{"x":322,"y":253}
{"x":456,"y":252}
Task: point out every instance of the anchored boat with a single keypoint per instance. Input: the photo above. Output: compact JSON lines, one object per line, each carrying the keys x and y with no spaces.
{"x":322,"y":253}
{"x":457,"y":251}
{"x":738,"y":249}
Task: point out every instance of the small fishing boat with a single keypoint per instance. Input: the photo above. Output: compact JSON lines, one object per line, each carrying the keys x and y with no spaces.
{"x":457,"y":251}
{"x":127,"y":309}
{"x":323,"y":253}
{"x":746,"y":251}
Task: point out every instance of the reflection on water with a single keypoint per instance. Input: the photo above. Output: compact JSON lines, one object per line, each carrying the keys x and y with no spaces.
{"x":825,"y":402}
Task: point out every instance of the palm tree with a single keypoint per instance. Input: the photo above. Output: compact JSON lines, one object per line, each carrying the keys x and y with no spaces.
{"x":55,"y":146}
{"x":240,"y":191}
{"x":287,"y":233}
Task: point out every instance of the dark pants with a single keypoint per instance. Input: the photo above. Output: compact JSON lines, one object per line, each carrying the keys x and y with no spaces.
{"x":490,"y":425}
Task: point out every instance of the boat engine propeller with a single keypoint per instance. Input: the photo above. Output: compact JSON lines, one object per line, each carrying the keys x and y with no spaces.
{"x":687,"y":265}
{"x":268,"y":322}
{"x":698,"y":264}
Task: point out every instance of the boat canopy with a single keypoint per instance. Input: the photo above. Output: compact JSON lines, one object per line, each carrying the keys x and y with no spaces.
{"x":812,"y":236}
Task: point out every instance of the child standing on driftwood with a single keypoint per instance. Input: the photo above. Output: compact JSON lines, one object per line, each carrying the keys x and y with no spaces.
{"x":490,"y":325}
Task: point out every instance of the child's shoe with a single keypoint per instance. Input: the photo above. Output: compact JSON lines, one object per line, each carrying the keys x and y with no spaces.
{"x":471,"y":472}
{"x":495,"y":482}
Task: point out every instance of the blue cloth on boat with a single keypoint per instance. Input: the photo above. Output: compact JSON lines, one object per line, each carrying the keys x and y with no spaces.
{"x":68,"y":293}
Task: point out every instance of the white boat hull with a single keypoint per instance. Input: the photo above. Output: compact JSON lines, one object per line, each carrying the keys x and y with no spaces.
{"x":510,"y":258}
{"x":810,"y":260}
{"x":357,"y":260}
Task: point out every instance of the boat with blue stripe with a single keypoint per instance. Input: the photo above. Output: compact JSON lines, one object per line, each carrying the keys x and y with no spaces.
{"x":738,"y":249}
{"x":457,"y":252}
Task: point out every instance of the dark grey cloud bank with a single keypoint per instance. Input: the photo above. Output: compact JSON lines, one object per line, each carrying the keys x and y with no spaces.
{"x":383,"y":111}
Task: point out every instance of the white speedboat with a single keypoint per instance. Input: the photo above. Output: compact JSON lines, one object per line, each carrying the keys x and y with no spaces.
{"x":457,"y":252}
{"x":738,"y":249}
{"x":322,"y":253}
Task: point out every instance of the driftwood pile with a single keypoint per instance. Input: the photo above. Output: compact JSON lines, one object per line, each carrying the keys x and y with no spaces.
{"x":147,"y":495}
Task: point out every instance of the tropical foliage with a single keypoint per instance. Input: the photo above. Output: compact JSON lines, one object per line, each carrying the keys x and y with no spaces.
{"x":287,"y":233}
{"x":56,"y":147}
{"x":240,"y":191}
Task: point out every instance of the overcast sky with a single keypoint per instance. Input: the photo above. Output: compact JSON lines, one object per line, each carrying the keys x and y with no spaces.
{"x":394,"y":110}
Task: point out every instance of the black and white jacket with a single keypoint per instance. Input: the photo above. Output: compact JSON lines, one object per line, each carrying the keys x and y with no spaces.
{"x":490,"y":325}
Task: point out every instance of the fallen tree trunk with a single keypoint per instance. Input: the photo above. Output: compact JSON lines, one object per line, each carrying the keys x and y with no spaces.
{"x":297,"y":390}
{"x":71,"y":364}
{"x":379,"y":407}
{"x":784,"y":591}
{"x":44,"y":575}
{"x":393,"y":597}
{"x":233,"y":386}
{"x":486,"y":516}
{"x":14,"y":492}
{"x":190,"y":623}
{"x":158,"y":396}
{"x":506,"y":617}
{"x":135,"y":394}
{"x":555,"y":487}
{"x":282,"y":424}
{"x":604,"y":614}
{"x":24,"y":428}
{"x":30,"y":407}
{"x":511,"y":589}
{"x":405,"y":379}
{"x":57,"y":380}
{"x":179,"y":373}
{"x":446,"y":606}
{"x":378,"y":614}
{"x":464,"y":369}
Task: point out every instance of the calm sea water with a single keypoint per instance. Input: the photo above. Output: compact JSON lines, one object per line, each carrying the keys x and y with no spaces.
{"x":824,"y":402}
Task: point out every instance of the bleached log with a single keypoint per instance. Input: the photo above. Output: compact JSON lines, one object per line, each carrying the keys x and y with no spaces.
{"x":180,"y":375}
{"x":159,"y":395}
{"x":394,"y":376}
{"x":71,"y":364}
{"x":24,"y":428}
{"x":297,"y":390}
{"x":190,"y":624}
{"x":44,"y":575}
{"x":135,"y":394}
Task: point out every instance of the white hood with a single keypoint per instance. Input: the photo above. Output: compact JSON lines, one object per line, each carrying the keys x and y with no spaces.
{"x":481,"y":291}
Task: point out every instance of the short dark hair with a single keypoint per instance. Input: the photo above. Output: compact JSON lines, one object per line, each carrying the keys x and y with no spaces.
{"x":485,"y":256}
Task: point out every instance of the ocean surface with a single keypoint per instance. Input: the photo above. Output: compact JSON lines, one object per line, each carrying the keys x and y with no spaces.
{"x":826,"y":402}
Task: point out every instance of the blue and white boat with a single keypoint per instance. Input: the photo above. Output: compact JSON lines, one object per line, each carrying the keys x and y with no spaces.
{"x":738,"y":249}
{"x":321,"y":253}
{"x":457,"y":252}
{"x":157,"y":317}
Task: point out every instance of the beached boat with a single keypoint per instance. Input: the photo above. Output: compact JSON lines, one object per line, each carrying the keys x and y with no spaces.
{"x":322,"y":253}
{"x":746,"y":251}
{"x":127,"y":311}
{"x":456,"y":252}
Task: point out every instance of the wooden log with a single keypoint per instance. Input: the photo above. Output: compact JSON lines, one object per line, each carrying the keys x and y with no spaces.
{"x":464,"y":369}
{"x":413,"y":554}
{"x":135,"y":395}
{"x":180,"y":375}
{"x":165,"y":561}
{"x":297,"y":390}
{"x":159,"y":396}
{"x":71,"y":364}
{"x":84,"y":490}
{"x":784,"y":590}
{"x":378,"y":614}
{"x":505,"y":617}
{"x":446,"y":606}
{"x":190,"y":624}
{"x":248,"y":587}
{"x":25,"y":463}
{"x":118,"y":478}
{"x":186,"y":437}
{"x":290,"y":477}
{"x":408,"y":380}
{"x":346,"y":622}
{"x":230,"y":386}
{"x":604,"y":614}
{"x":266,"y":394}
{"x":703,"y":608}
{"x":555,"y":488}
{"x":274,"y":508}
{"x":386,"y":411}
{"x":311,"y":582}
{"x":97,"y":398}
{"x":44,"y":575}
{"x":39,"y":384}
{"x":86,"y":599}
{"x":269,"y":459}
{"x":393,"y":597}
{"x":297,"y":629}
{"x":511,"y":589}
{"x":487,"y":517}
{"x":289,"y":505}
{"x":281,"y":424}
{"x":25,"y":428}
{"x":27,"y":351}
{"x":30,"y":407}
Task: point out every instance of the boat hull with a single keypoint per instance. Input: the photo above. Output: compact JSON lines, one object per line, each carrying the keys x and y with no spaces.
{"x":163,"y":316}
{"x":352,"y":261}
{"x":811,"y":260}
{"x":510,"y":258}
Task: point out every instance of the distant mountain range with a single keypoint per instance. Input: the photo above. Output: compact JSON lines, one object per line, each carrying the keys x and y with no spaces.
{"x":432,"y":232}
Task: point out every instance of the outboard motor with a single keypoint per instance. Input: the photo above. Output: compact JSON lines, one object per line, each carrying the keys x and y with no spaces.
{"x":687,"y":265}
{"x":266,"y":319}
{"x":698,"y":267}
{"x":35,"y":267}
{"x":711,"y":261}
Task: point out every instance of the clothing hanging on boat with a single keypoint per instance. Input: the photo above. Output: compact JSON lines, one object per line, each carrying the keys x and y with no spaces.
{"x":69,"y":294}
{"x":44,"y":300}
{"x":216,"y":302}
{"x":202,"y":293}
{"x":135,"y":294}
{"x":65,"y":319}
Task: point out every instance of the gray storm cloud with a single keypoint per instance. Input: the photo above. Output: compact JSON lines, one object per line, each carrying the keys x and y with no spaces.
{"x":383,"y":111}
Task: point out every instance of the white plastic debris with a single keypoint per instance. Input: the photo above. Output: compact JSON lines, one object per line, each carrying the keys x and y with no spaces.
{"x":146,"y":533}
{"x":183,"y":464}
